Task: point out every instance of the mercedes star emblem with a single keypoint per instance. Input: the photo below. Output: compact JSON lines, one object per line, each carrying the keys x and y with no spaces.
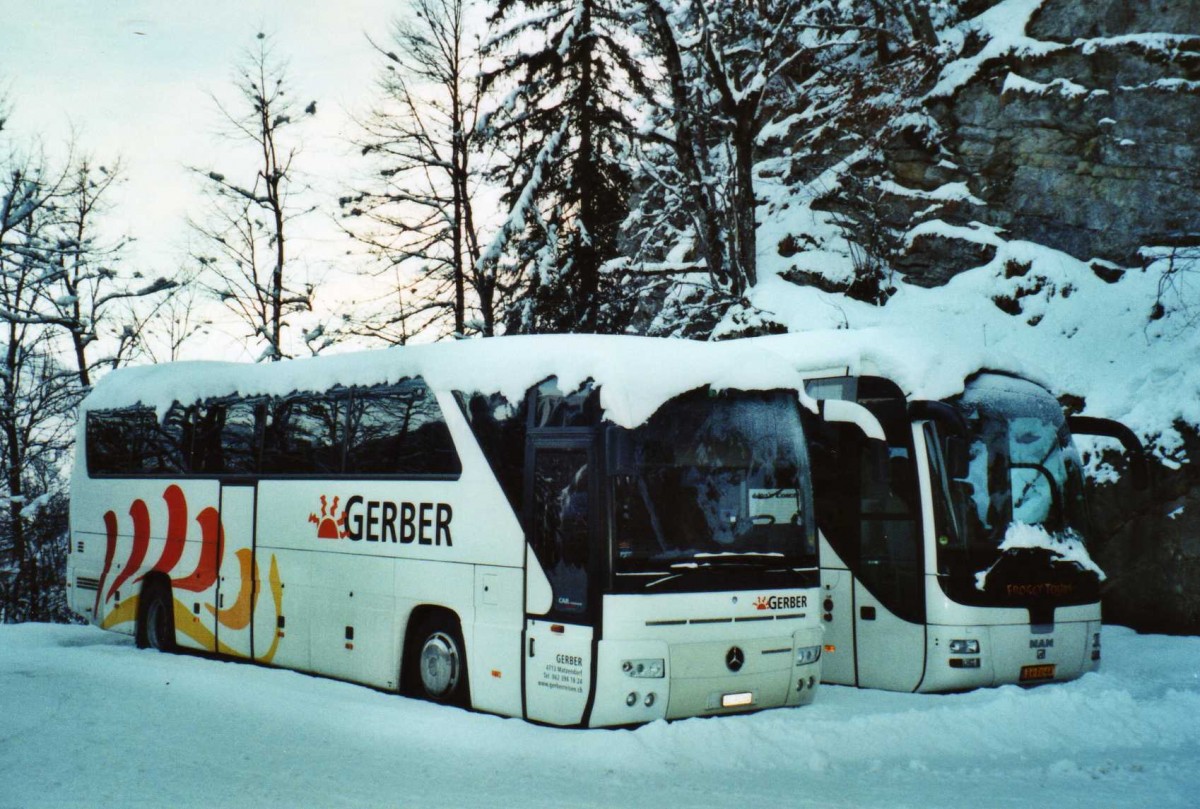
{"x":734,"y":658}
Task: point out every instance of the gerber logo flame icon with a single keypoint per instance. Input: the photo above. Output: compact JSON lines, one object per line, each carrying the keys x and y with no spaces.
{"x":330,"y":525}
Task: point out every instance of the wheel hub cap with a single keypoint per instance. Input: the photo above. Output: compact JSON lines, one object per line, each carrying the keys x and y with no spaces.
{"x":439,"y":665}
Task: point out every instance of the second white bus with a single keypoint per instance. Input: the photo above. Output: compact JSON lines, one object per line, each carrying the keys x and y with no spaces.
{"x":954,"y":551}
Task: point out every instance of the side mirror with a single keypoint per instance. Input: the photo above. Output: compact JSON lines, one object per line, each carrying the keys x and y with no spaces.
{"x":954,"y":425}
{"x":618,"y":451}
{"x":1139,"y":468}
{"x":958,"y":457}
{"x":948,"y":416}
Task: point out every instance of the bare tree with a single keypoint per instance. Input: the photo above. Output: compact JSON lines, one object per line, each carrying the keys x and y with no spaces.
{"x":61,"y":292}
{"x":249,"y":265}
{"x":84,"y":281}
{"x":36,"y":396}
{"x":419,"y":208}
{"x":159,"y":331}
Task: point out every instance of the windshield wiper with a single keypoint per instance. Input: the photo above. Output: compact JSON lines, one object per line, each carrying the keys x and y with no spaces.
{"x":729,"y":559}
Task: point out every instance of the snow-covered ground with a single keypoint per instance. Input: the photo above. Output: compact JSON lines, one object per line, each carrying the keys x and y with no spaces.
{"x":88,"y":720}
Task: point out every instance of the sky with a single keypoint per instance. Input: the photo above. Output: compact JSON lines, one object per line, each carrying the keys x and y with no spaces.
{"x":135,"y":79}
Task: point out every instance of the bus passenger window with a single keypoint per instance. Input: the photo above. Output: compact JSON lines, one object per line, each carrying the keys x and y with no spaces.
{"x":304,"y":436}
{"x":500,"y":427}
{"x":132,"y":442}
{"x":399,"y":432}
{"x":225,"y":438}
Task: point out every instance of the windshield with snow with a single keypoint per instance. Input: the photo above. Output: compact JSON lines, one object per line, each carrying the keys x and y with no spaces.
{"x":713,"y":491}
{"x":1010,"y":529}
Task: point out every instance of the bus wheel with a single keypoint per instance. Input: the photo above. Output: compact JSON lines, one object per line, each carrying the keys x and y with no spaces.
{"x":438,"y":666}
{"x":156,"y":622}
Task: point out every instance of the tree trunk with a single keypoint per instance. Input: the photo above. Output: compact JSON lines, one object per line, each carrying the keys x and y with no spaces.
{"x":690,"y":149}
{"x":745,"y":274}
{"x":586,"y":258}
{"x":12,"y":441}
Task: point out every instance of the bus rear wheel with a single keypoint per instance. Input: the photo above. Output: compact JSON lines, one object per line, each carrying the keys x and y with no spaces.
{"x":156,"y":622}
{"x":437,"y":664}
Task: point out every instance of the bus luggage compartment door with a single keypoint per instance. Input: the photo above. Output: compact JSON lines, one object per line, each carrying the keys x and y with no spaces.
{"x":889,"y":651}
{"x":558,"y":671}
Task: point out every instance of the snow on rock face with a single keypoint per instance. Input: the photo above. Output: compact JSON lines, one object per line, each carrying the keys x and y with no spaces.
{"x":1003,"y":26}
{"x":636,"y":375}
{"x":1031,"y":311}
{"x":1067,"y":547}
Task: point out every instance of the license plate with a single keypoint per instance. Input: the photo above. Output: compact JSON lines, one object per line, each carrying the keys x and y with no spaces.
{"x":737,"y":700}
{"x":1033,"y":673}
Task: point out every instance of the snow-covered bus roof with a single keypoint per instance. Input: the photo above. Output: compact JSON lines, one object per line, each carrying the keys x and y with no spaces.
{"x":636,"y":375}
{"x":921,"y":368}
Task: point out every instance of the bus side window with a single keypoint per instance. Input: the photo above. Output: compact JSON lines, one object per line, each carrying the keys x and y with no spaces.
{"x":110,"y":444}
{"x":304,"y":435}
{"x":132,"y":442}
{"x":400,"y":432}
{"x":171,"y":440}
{"x":225,"y":438}
{"x":500,"y":428}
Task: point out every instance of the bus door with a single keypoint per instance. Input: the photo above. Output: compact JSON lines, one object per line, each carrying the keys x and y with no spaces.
{"x":889,"y":580}
{"x":236,"y":580}
{"x":561,"y":509}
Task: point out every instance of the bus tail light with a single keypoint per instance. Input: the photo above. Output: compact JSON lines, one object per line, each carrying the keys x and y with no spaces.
{"x":964,"y":662}
{"x":964,"y":647}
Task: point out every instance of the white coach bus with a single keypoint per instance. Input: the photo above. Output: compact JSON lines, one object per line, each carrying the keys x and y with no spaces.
{"x":953,"y":552}
{"x":581,"y":531}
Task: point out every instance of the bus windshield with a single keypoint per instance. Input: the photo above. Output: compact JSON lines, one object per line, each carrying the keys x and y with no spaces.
{"x":713,"y":485}
{"x":1023,"y":473}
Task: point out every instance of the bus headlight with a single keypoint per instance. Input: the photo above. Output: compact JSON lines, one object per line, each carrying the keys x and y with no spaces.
{"x":807,"y":654}
{"x":964,"y":647}
{"x":648,"y":667}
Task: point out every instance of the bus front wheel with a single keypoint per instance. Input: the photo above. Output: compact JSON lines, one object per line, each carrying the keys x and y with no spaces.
{"x":156,"y":620}
{"x":437,"y":667}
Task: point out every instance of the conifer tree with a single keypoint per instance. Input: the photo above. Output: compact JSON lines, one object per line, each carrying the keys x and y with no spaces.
{"x":566,"y":75}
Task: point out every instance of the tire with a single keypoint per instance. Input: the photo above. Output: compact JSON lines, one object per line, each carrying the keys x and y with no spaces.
{"x":436,"y":668}
{"x":156,"y":618}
